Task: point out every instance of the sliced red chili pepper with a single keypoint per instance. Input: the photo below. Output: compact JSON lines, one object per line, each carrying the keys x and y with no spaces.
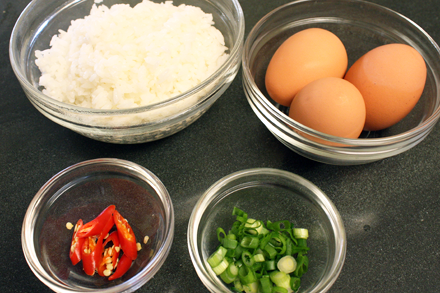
{"x":123,"y":265}
{"x":96,"y":226}
{"x":111,"y":255}
{"x":76,"y":244}
{"x":88,"y":255}
{"x":126,"y":236}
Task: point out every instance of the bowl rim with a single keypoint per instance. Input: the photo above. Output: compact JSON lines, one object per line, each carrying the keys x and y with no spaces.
{"x":234,"y":53}
{"x":286,"y":120}
{"x":134,"y":282}
{"x":331,"y":211}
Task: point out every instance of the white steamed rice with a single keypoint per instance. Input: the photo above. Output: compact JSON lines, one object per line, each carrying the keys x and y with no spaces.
{"x":122,"y":57}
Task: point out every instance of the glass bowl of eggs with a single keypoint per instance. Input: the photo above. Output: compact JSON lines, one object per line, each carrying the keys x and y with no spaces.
{"x":112,"y":72}
{"x":342,"y":82}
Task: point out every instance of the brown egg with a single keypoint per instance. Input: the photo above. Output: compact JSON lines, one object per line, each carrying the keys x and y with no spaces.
{"x":391,"y":79}
{"x":304,"y":57}
{"x":330,"y":105}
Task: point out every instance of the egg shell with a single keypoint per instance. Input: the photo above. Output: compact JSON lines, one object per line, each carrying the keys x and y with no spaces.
{"x":306,"y":56}
{"x":391,"y":79}
{"x":330,"y":105}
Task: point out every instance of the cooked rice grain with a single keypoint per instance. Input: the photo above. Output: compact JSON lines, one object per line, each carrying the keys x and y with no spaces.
{"x":123,"y":57}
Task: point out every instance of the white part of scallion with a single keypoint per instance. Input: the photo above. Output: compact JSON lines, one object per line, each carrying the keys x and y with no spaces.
{"x":259,"y":257}
{"x":280,"y":279}
{"x":221,"y":267}
{"x":287,"y":264}
{"x":216,"y":258}
{"x":300,"y":233}
{"x":251,"y":288}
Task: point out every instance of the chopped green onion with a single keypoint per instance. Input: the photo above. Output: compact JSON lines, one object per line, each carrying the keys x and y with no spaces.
{"x":259,"y":257}
{"x":251,"y":288}
{"x":238,"y":263}
{"x":278,"y":289}
{"x":265,"y":240}
{"x":247,"y":258}
{"x":303,"y":265}
{"x":250,"y":242}
{"x":287,"y":264}
{"x":271,"y":251}
{"x":230,"y":274}
{"x":279,"y":243}
{"x":221,"y":267}
{"x":295,"y":282}
{"x":238,"y":285}
{"x":302,"y":243}
{"x":237,"y":212}
{"x":229,"y":243}
{"x":221,"y":235}
{"x":264,"y":231}
{"x":216,"y":258}
{"x":300,"y":233}
{"x":266,"y":284}
{"x":278,"y":226}
{"x":257,"y":266}
{"x":238,"y":251}
{"x":280,"y":279}
{"x":254,"y":226}
{"x":241,"y":216}
{"x":289,"y":246}
{"x":246,"y":275}
{"x":270,"y":265}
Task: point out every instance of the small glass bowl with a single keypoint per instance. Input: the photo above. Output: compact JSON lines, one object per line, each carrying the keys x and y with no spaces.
{"x":361,"y":26}
{"x":269,"y":194}
{"x":42,"y":19}
{"x":82,"y":191}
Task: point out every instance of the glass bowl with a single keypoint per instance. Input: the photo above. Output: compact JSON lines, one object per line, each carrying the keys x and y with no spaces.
{"x":83,"y":191}
{"x":42,"y":19}
{"x":361,"y":26}
{"x":269,"y":194}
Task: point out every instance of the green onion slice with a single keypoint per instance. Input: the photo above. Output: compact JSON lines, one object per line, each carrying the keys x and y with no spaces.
{"x":278,"y":289}
{"x":216,"y":258}
{"x":287,"y":264}
{"x":221,"y":267}
{"x":300,"y":233}
{"x":266,"y":284}
{"x":261,"y":257}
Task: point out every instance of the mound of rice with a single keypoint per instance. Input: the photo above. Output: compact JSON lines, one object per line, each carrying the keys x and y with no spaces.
{"x":123,"y":57}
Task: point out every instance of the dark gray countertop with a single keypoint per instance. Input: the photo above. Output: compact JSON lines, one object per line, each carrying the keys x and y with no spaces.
{"x":390,"y":208}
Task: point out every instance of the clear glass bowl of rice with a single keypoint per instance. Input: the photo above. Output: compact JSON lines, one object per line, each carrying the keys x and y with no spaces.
{"x":158,"y":95}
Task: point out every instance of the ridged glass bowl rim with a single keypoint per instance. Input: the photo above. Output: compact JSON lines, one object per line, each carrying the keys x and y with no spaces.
{"x":286,"y":121}
{"x":212,"y":193}
{"x":42,"y":197}
{"x":235,"y":53}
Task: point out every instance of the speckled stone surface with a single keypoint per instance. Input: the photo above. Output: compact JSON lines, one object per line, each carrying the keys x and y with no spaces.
{"x":390,"y":208}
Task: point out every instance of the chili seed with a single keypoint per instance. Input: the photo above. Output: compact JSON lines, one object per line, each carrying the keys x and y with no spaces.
{"x":146,"y":239}
{"x":138,"y":246}
{"x":69,"y":225}
{"x":107,"y":273}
